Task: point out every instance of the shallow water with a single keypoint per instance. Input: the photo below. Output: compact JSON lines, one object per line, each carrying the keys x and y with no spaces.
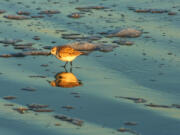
{"x":149,"y":69}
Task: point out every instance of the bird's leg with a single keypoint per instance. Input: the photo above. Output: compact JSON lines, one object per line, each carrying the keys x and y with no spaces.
{"x":71,"y":63}
{"x":65,"y":69}
{"x":65,"y":65}
{"x":71,"y":69}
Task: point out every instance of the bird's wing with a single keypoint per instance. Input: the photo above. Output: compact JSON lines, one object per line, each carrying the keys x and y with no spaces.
{"x":67,"y":51}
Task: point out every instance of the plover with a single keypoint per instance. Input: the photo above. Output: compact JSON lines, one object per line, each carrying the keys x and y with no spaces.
{"x":65,"y":53}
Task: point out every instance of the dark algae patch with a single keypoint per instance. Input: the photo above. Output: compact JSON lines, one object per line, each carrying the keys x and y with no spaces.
{"x":23,"y":54}
{"x":2,"y":11}
{"x":43,"y":110}
{"x":36,"y":106}
{"x":23,"y":13}
{"x":11,"y":42}
{"x":123,"y":42}
{"x":150,"y":11}
{"x":90,"y":8}
{"x":49,"y":12}
{"x":28,"y":89}
{"x":15,"y":17}
{"x":176,"y":105}
{"x":128,"y":130}
{"x":36,"y":38}
{"x":68,"y":107}
{"x":9,"y":104}
{"x":37,"y":76}
{"x":135,"y":100}
{"x":39,"y":108}
{"x":73,"y":121}
{"x":130,"y":123}
{"x":9,"y":97}
{"x":157,"y":106}
{"x":152,"y":105}
{"x":163,"y":106}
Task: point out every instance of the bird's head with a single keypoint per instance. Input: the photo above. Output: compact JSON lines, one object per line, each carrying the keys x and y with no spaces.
{"x":54,"y":50}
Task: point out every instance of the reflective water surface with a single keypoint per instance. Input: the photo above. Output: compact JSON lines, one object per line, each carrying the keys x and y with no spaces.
{"x":127,"y":84}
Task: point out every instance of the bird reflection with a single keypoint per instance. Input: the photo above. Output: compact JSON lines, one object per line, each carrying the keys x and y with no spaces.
{"x":65,"y":80}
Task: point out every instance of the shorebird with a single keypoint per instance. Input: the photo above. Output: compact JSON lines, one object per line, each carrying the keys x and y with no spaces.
{"x":65,"y":80}
{"x":65,"y":53}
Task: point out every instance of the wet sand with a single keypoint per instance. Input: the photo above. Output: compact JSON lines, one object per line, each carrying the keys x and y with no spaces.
{"x":148,"y":69}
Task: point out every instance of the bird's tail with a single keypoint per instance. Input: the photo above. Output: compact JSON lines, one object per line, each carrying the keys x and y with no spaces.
{"x":85,"y":53}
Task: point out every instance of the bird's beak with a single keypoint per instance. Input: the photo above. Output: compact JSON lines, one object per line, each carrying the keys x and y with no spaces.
{"x":48,"y":81}
{"x":49,"y":54}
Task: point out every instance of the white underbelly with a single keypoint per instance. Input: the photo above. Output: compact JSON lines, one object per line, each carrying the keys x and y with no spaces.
{"x":69,"y":58}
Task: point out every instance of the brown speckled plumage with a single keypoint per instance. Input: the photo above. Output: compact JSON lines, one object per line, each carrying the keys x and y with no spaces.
{"x":65,"y":53}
